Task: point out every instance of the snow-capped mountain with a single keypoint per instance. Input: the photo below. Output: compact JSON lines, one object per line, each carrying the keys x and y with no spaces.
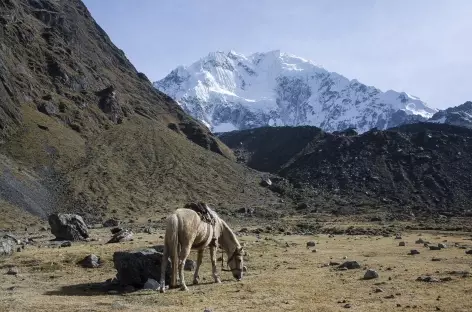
{"x":458,"y":116}
{"x":229,"y":91}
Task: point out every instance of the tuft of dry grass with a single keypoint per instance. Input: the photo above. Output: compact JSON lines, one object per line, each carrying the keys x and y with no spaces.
{"x":283,"y":276}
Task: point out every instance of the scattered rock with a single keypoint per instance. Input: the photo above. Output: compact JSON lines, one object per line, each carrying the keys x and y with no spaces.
{"x":314,"y":250}
{"x":151,"y":284}
{"x":266,"y":182}
{"x":13,"y":238}
{"x":68,"y":227}
{"x":347,"y":306}
{"x":13,"y":271}
{"x":7,"y":246}
{"x":120,"y":237}
{"x":111,"y":222}
{"x":310,"y":244}
{"x":414,"y":252}
{"x":446,"y":279}
{"x":149,"y":230}
{"x":428,"y":279}
{"x":91,"y":261}
{"x":419,"y":241}
{"x":334,"y":263}
{"x":398,"y":237}
{"x":190,"y":265}
{"x":436,"y":259}
{"x":116,"y":230}
{"x":135,"y":268}
{"x":402,"y":244}
{"x":378,"y":290}
{"x":442,"y":245}
{"x":350,"y":265}
{"x":66,"y":244}
{"x":468,"y":252}
{"x":434,"y":248}
{"x":390,"y":297}
{"x":48,"y":108}
{"x":370,"y":274}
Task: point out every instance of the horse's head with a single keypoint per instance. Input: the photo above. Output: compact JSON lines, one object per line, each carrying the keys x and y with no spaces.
{"x":235,"y":262}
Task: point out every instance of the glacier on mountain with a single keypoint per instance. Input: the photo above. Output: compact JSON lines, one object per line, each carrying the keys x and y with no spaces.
{"x":230,"y":91}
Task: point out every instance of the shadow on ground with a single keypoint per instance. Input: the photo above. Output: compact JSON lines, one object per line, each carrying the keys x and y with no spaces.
{"x":87,"y":289}
{"x":102,"y":289}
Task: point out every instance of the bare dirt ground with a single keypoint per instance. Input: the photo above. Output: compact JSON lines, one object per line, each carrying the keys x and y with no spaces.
{"x":283,"y":275}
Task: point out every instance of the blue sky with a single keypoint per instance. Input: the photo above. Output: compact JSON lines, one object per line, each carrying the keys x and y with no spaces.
{"x":423,"y":47}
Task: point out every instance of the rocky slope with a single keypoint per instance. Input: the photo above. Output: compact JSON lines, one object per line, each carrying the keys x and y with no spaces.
{"x":418,"y":169}
{"x":230,"y":91}
{"x":459,"y":116}
{"x":81,"y":130}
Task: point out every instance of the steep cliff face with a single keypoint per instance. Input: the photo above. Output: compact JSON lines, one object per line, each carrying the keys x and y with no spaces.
{"x":82,"y":127}
{"x":229,"y":91}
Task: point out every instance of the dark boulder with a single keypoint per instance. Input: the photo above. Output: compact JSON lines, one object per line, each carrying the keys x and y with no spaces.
{"x":111,"y":223}
{"x":68,"y":227}
{"x":136,"y":267}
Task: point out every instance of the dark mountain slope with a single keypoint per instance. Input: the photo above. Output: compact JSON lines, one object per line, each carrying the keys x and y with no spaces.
{"x":269,"y":148}
{"x":419,"y":168}
{"x":82,"y":130}
{"x":460,"y":115}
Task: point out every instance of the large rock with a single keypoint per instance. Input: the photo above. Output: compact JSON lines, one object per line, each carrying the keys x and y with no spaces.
{"x":350,"y":265}
{"x":7,"y":246}
{"x":371,"y":274}
{"x":136,"y":267}
{"x":122,"y":236}
{"x":91,"y":261}
{"x":68,"y":227}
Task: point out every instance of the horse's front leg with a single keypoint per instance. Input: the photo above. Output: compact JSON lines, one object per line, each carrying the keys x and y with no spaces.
{"x":199,"y":262}
{"x":213,"y":264}
{"x":184,"y":252}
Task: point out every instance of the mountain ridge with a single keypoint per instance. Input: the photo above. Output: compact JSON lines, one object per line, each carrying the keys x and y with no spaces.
{"x":230,"y":91}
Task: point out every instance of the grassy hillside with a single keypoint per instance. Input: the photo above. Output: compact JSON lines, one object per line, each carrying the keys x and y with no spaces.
{"x":83,"y":131}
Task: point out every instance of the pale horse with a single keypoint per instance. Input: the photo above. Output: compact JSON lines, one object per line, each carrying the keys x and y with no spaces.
{"x":185,"y":230}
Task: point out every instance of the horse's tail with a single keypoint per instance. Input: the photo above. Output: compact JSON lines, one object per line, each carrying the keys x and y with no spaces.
{"x":172,"y":245}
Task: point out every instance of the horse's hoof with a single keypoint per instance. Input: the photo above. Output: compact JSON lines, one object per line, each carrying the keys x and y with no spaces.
{"x":183,"y":288}
{"x":195,"y":282}
{"x":162,"y":290}
{"x":218,"y":281}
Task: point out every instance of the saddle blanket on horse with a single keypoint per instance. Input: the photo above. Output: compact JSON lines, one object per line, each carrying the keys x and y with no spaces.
{"x":203,"y":211}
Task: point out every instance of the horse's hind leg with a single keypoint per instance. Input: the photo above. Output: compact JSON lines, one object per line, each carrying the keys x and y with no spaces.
{"x":164,"y":260}
{"x":199,"y":262}
{"x":184,"y":252}
{"x":213,"y":264}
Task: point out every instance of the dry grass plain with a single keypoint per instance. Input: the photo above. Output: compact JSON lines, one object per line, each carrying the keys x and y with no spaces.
{"x":283,"y":275}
